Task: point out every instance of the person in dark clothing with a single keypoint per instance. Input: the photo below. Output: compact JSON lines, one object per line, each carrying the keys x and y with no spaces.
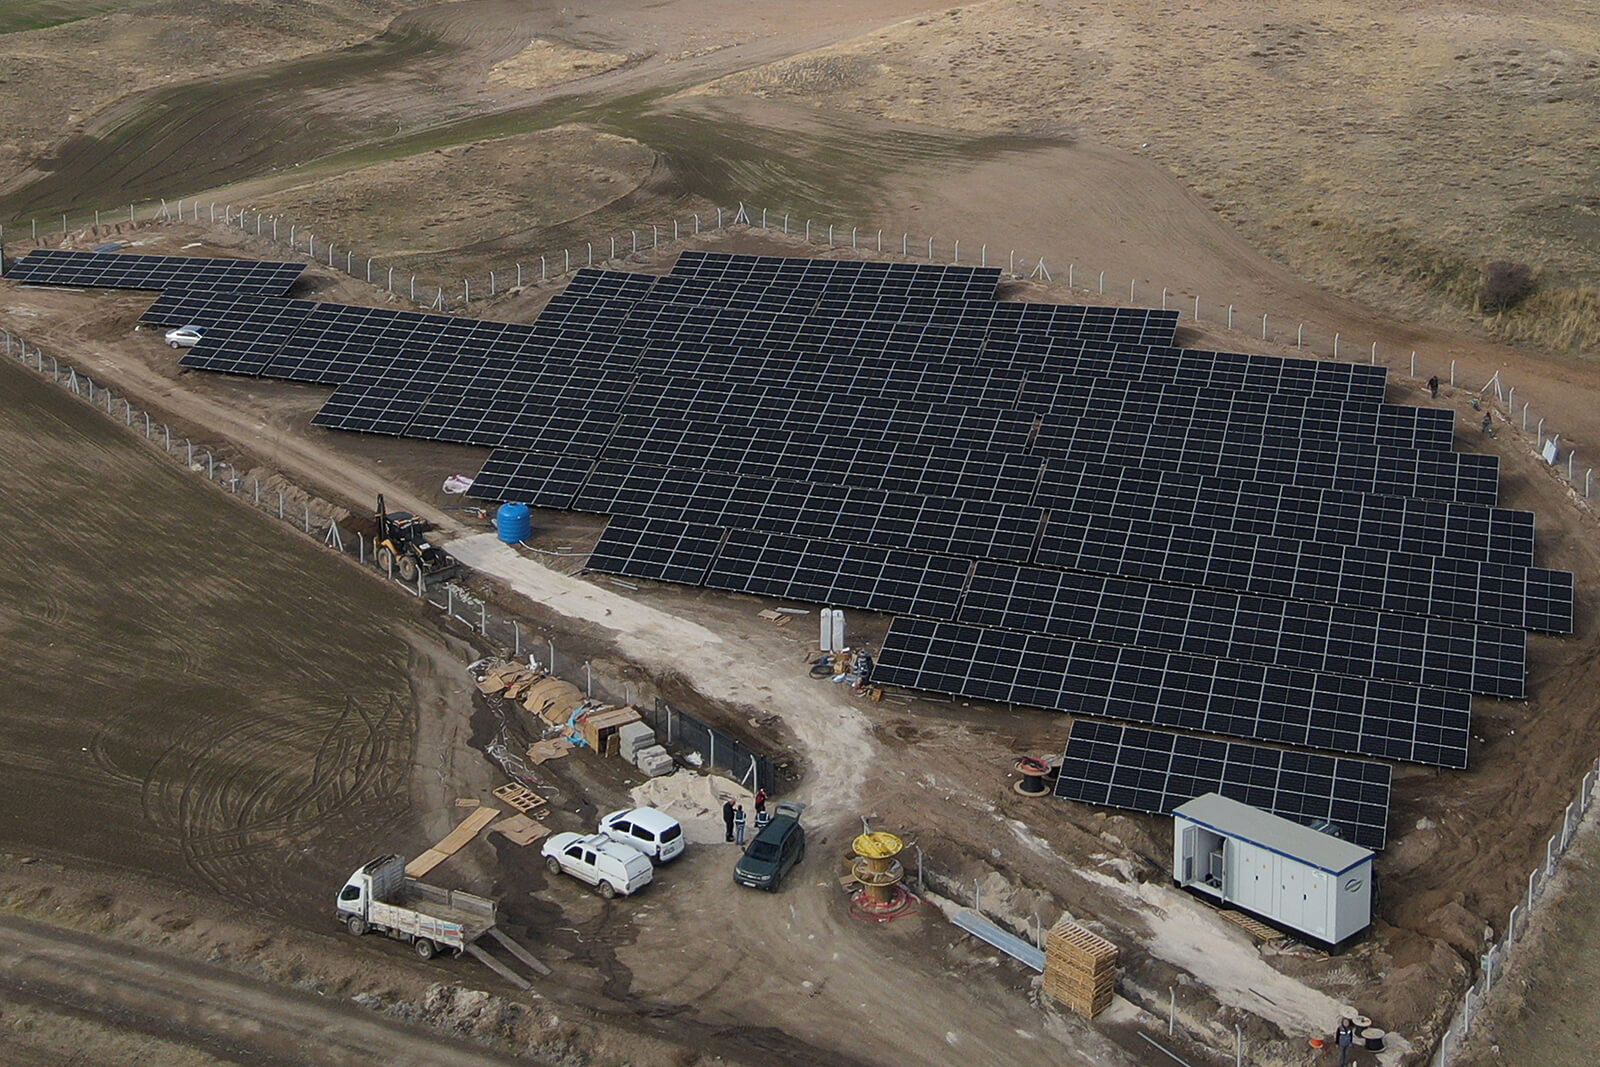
{"x":761,"y":803}
{"x":1433,"y":386}
{"x":727,"y":817}
{"x":1346,"y":1037}
{"x":738,"y":824}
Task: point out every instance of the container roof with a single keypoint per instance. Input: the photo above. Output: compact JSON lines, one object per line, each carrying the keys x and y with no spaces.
{"x":1284,"y":836}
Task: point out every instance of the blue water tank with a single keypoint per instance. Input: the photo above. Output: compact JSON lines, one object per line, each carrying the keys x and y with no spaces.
{"x":515,"y":523}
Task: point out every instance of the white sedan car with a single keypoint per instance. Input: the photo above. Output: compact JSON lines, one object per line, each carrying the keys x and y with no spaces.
{"x":185,"y":336}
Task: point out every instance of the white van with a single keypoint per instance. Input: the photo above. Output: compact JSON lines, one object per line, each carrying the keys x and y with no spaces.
{"x":651,"y":831}
{"x":613,"y":869}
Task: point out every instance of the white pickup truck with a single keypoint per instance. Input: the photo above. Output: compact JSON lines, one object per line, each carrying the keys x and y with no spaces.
{"x":379,"y":897}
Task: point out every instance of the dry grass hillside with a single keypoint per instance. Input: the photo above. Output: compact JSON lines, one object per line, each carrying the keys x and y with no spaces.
{"x":1386,"y":150}
{"x":77,"y":57}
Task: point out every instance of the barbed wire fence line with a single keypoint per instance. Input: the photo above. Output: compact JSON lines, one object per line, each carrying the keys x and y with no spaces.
{"x":321,"y":521}
{"x":324,"y":523}
{"x":1497,"y":394}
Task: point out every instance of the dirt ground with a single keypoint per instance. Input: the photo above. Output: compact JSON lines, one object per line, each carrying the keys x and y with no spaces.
{"x":461,"y":150}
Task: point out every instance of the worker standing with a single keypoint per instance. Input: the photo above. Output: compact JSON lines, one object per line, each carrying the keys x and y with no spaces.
{"x":1346,"y":1036}
{"x":727,"y":817}
{"x":1433,"y":386}
{"x":738,"y":824}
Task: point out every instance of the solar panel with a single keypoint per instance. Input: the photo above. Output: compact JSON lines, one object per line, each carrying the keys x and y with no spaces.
{"x":1118,"y":766}
{"x":662,"y":549}
{"x":1494,"y":594}
{"x":1100,"y":492}
{"x":1202,"y":694}
{"x":853,"y":576}
{"x":1205,"y":622}
{"x":538,"y":479}
{"x":125,"y":270}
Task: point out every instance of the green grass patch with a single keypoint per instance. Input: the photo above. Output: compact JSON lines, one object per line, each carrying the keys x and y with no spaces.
{"x":19,"y":16}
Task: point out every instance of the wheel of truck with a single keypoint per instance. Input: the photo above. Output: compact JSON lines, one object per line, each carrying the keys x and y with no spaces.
{"x":606,"y":889}
{"x":356,"y":925}
{"x":385,"y":560}
{"x":408,"y":569}
{"x":553,"y":865}
{"x":423,"y":948}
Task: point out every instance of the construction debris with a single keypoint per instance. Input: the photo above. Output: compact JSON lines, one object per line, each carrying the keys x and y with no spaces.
{"x":554,"y":748}
{"x":520,"y":830}
{"x":1080,"y":968}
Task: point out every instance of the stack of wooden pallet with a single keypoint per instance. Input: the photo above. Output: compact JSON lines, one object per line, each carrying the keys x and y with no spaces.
{"x":1080,"y":968}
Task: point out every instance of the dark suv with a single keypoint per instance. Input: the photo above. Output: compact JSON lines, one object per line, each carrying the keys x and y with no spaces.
{"x":776,"y":849}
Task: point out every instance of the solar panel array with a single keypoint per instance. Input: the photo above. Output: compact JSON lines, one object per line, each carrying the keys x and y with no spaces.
{"x":1130,"y":767}
{"x":1062,"y":508}
{"x":126,"y":270}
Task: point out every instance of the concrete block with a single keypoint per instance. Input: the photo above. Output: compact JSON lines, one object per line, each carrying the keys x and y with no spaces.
{"x":655,"y":761}
{"x":633,"y":737}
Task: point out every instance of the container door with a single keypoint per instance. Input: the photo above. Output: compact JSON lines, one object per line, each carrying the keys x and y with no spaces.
{"x":1186,"y":855}
{"x":1291,"y":895}
{"x":1315,"y":913}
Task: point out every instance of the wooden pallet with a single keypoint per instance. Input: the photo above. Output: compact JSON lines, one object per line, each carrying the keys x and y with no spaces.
{"x":1252,"y":926}
{"x":520,"y":797}
{"x":1080,"y":968}
{"x":1071,"y":941}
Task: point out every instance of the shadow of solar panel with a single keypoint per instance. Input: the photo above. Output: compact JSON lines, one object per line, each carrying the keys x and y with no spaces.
{"x":1233,"y":698}
{"x":1413,"y":650}
{"x":538,"y":479}
{"x":661,"y":549}
{"x":1112,"y":765}
{"x":124,"y":270}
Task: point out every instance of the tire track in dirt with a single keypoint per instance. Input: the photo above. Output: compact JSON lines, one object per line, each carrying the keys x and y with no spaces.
{"x":240,"y":796}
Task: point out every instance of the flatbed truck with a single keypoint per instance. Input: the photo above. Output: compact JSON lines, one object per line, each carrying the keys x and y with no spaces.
{"x":381,"y":898}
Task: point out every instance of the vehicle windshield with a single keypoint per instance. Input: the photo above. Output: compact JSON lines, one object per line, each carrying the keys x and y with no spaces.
{"x":763,"y":850}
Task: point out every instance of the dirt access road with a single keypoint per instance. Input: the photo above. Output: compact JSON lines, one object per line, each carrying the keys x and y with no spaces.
{"x":189,"y":1012}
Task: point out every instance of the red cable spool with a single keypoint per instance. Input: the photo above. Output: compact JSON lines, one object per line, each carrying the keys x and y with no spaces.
{"x":1033,"y":771}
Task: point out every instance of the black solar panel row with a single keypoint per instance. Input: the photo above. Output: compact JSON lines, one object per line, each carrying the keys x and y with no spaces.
{"x":1495,"y":594}
{"x":1118,"y":766}
{"x":915,"y":279}
{"x":829,"y":510}
{"x":866,"y":577}
{"x":1175,"y":412}
{"x":541,"y":480}
{"x":1380,"y":470}
{"x":662,"y":549}
{"x":1280,"y":509}
{"x":1205,"y":622}
{"x":1228,"y":697}
{"x":127,"y":270}
{"x":999,"y":370}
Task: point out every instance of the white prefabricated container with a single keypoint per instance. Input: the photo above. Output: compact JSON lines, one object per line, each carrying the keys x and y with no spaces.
{"x":1288,"y":874}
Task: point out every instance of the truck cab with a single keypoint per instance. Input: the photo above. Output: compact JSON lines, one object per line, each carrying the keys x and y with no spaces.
{"x":380,"y":898}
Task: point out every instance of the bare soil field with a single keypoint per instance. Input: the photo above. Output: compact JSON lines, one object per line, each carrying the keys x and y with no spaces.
{"x":262,"y":718}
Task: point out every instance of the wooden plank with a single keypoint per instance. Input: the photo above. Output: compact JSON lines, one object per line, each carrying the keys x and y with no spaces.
{"x":469,"y":828}
{"x":528,"y":959}
{"x":498,"y":968}
{"x":425,"y":862}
